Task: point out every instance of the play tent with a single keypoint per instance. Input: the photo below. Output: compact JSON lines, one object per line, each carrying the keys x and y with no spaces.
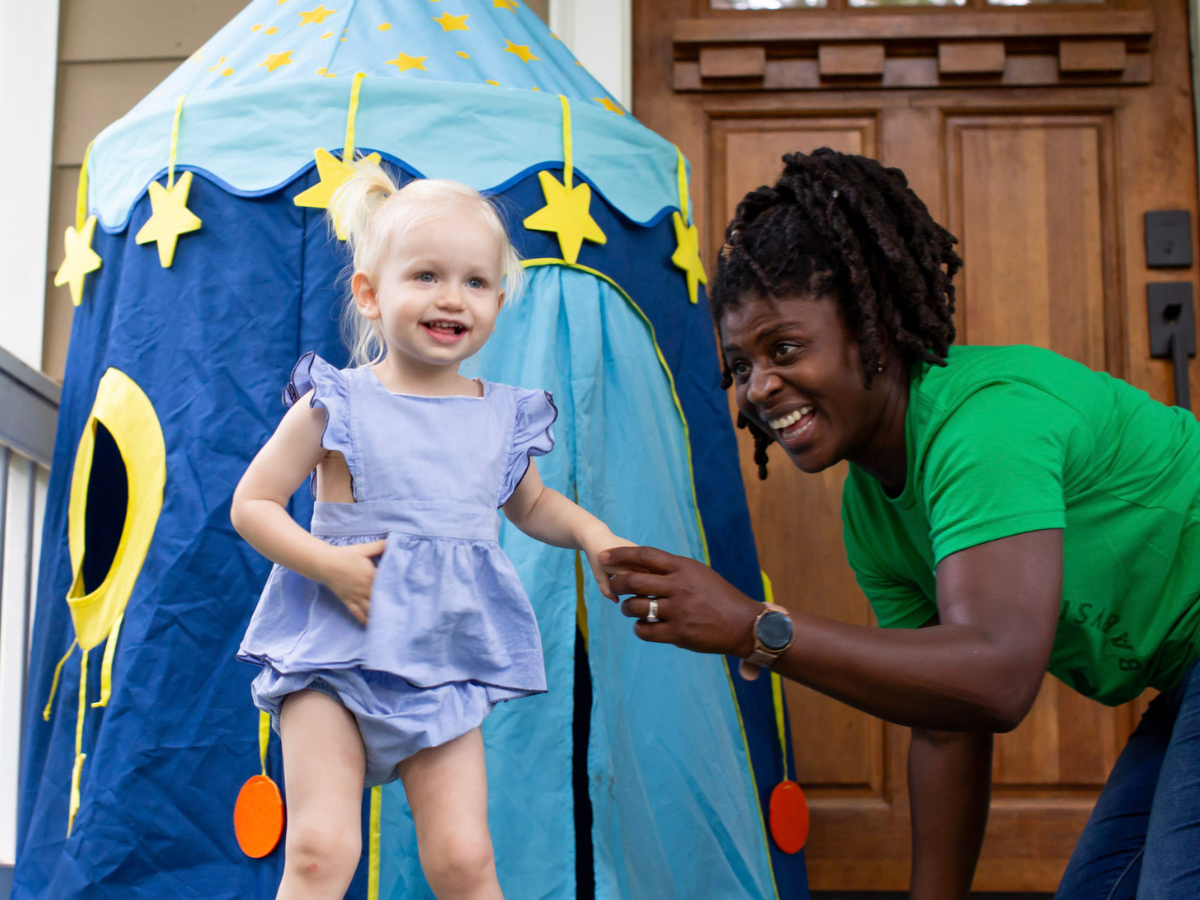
{"x":202,"y":268}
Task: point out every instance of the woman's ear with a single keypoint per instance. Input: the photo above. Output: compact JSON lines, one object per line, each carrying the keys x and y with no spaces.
{"x":364,"y":295}
{"x":500,"y":302}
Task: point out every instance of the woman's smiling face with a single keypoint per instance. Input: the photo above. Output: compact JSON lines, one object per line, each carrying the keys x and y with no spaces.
{"x":799,"y":378}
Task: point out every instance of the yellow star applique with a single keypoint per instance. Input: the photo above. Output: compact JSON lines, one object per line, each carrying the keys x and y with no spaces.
{"x":80,"y":260}
{"x":404,"y":62}
{"x":170,"y":218}
{"x":452,"y":23}
{"x":521,"y":50}
{"x":316,"y":16}
{"x":333,"y":173}
{"x":607,"y":103}
{"x":687,"y":255}
{"x":506,"y":4}
{"x":275,"y":60}
{"x":566,"y":214}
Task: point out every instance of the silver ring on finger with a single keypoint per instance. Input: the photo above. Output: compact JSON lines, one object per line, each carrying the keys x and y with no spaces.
{"x":652,"y":612}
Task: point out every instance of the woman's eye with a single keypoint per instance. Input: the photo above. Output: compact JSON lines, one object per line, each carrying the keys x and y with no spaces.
{"x":740,"y":370}
{"x":426,"y":277}
{"x":475,"y":284}
{"x":784,"y":349}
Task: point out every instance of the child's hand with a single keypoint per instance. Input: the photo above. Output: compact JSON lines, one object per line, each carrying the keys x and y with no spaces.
{"x":593,"y":547}
{"x":350,"y":572}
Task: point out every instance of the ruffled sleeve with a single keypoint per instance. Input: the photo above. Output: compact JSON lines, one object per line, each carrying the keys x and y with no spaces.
{"x":330,"y":391}
{"x":532,"y":436}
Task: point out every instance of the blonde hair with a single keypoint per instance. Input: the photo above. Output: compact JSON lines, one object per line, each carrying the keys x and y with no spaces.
{"x":372,"y":212}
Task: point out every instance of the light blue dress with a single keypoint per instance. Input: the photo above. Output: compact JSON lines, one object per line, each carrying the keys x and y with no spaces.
{"x":450,"y":631}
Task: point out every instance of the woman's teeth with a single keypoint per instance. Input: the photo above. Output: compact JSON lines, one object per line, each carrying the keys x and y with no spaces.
{"x":790,"y":419}
{"x":454,"y":327}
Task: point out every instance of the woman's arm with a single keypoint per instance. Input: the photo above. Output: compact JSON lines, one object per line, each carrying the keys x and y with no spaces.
{"x":259,"y":511}
{"x":979,"y":669}
{"x":547,"y":516}
{"x":949,"y":787}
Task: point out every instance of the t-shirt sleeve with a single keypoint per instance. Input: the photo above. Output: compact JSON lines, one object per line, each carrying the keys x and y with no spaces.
{"x":870,"y":539}
{"x":996,"y":467}
{"x":895,"y":602}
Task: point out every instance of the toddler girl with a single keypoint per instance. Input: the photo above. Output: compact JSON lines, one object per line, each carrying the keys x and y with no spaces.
{"x":387,"y":635}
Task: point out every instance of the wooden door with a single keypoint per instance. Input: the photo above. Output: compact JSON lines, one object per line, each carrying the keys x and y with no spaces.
{"x":1039,"y":136}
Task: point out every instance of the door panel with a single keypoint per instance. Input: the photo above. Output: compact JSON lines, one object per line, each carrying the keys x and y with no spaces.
{"x":1046,"y":188}
{"x":1025,"y":201}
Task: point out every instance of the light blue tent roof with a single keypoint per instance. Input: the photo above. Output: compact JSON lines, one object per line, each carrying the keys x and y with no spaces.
{"x":274,"y":84}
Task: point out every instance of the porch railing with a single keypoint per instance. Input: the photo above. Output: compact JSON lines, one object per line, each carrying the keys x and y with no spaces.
{"x":28,"y":418}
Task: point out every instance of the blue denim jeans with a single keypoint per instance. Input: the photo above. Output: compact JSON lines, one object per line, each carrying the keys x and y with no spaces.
{"x":1143,"y":838}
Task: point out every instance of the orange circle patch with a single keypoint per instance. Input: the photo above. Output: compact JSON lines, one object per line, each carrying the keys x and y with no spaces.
{"x":789,"y":817}
{"x":258,"y":817}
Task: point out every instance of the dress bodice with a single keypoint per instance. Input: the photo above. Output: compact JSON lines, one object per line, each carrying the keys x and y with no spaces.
{"x":429,"y":474}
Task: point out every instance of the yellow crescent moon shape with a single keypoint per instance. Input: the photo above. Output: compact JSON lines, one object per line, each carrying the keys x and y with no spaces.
{"x":125,"y":410}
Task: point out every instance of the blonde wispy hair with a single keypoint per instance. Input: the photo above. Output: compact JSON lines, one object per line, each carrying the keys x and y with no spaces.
{"x":373,"y":213}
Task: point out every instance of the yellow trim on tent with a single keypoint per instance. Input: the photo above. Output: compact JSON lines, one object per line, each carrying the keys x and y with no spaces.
{"x":126,"y":411}
{"x":80,"y":756}
{"x":777,"y":689}
{"x":373,"y":843}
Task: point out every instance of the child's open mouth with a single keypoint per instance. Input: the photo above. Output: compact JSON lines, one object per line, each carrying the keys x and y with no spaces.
{"x":444,"y":331}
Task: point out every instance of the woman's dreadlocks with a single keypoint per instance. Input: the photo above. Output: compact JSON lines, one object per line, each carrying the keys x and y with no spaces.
{"x":842,"y":226}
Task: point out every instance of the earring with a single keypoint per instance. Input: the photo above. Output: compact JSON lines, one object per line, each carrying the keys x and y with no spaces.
{"x":879,"y":369}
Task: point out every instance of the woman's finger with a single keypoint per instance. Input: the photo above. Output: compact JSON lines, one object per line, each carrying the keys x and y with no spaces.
{"x":646,"y":559}
{"x":639,"y":608}
{"x":642,"y":583}
{"x":653,"y":632}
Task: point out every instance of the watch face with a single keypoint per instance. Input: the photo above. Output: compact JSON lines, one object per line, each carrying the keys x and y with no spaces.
{"x":775,"y":630}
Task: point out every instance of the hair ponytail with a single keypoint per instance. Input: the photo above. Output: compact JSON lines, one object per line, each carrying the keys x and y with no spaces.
{"x":356,"y":200}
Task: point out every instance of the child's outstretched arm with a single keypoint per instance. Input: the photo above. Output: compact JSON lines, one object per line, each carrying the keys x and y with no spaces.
{"x":546,"y":515}
{"x":259,"y":512}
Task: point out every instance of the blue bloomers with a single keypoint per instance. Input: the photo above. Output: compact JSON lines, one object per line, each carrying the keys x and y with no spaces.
{"x":395,"y":718}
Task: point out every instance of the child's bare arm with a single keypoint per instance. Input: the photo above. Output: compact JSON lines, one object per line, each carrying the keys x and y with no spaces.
{"x":259,"y":511}
{"x":546,"y":515}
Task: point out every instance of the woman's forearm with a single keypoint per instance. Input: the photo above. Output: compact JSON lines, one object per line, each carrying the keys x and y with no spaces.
{"x":948,"y":677}
{"x":949,"y":784}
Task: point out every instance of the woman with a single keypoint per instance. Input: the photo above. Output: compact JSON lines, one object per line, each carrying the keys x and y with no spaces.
{"x":1007,"y":511}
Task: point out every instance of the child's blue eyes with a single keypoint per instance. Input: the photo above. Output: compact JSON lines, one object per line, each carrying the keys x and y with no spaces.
{"x":430,"y":278}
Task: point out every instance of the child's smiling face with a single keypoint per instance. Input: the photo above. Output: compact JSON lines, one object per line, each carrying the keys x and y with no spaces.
{"x":438,"y":290}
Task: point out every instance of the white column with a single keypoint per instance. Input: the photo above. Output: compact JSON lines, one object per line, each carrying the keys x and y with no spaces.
{"x":600,"y":34}
{"x":22,"y":549}
{"x":28,"y":65}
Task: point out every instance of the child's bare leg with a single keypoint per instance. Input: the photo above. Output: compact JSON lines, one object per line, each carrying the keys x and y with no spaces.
{"x":447,"y":791}
{"x":324,"y":762}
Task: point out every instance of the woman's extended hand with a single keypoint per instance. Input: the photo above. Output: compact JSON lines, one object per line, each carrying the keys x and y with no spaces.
{"x":697,"y":608}
{"x":349,"y":572}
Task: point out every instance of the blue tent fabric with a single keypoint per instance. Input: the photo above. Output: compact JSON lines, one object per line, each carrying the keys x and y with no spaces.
{"x":211,"y":340}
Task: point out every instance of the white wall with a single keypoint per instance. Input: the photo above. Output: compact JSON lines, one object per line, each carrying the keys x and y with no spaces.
{"x":600,"y":34}
{"x":28,"y":64}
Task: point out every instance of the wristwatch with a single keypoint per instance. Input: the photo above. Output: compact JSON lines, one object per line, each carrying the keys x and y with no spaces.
{"x":773,"y":633}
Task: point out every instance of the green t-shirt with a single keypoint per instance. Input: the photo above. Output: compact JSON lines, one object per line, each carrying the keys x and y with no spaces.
{"x":1005,"y":440}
